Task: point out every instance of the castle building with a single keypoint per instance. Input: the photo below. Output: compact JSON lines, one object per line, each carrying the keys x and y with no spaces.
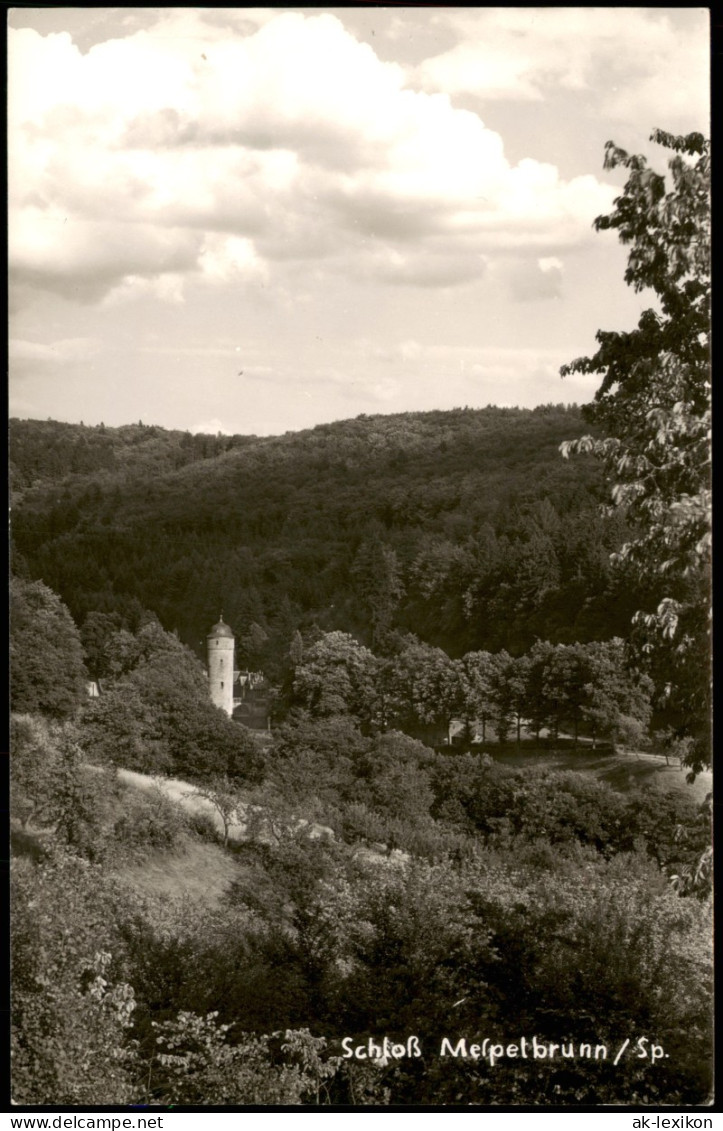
{"x":220,"y":645}
{"x":243,"y":695}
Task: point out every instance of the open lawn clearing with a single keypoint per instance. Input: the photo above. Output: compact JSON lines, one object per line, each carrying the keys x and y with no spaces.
{"x":621,"y":770}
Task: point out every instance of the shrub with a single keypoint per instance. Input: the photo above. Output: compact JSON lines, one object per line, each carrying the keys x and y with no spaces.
{"x":149,"y":822}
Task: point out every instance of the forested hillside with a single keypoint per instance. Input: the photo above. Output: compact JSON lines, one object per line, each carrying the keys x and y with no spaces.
{"x":464,"y":527}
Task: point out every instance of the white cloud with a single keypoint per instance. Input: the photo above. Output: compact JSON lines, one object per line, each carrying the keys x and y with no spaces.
{"x":246,"y":142}
{"x":65,"y":349}
{"x":532,"y":280}
{"x":625,"y":57}
{"x":73,"y":254}
{"x":231,"y":257}
{"x":385,"y":390}
{"x":432,"y":266}
{"x":211,"y":427}
{"x":168,"y":287}
{"x":408,"y":350}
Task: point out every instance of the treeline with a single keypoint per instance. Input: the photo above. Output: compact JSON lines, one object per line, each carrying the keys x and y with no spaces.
{"x":155,"y":712}
{"x":46,"y":451}
{"x":585,"y":688}
{"x":465,"y":528}
{"x":345,"y":751}
{"x":346,"y":745}
{"x":149,"y":676}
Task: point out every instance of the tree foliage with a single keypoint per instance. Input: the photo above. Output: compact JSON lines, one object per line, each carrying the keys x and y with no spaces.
{"x":423,"y":522}
{"x":198,"y":1065}
{"x":47,"y":673}
{"x":72,"y":1005}
{"x":53,"y":789}
{"x":336,"y":676}
{"x":534,"y":901}
{"x":155,"y":714}
{"x":654,"y":405}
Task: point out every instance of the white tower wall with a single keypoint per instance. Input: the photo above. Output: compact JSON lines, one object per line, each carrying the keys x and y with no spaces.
{"x":220,"y":666}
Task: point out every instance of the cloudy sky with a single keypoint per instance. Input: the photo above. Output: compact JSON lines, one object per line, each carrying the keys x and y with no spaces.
{"x":256,"y":220}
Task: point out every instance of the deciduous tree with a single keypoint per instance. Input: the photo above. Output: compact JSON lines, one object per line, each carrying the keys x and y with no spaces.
{"x":47,"y":673}
{"x":71,"y":1005}
{"x":336,"y":677}
{"x":219,"y":792}
{"x":654,"y":404}
{"x":430,"y":688}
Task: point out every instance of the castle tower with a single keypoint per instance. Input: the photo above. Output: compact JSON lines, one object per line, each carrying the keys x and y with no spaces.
{"x":220,"y":666}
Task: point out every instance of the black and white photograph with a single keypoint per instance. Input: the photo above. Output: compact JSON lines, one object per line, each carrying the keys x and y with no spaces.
{"x":360,"y":559}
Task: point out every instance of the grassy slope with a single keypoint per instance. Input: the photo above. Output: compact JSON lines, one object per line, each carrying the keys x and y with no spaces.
{"x":203,"y":872}
{"x":622,"y":771}
{"x":200,"y":873}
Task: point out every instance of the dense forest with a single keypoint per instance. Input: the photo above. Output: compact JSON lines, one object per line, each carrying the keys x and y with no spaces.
{"x":466,"y":528}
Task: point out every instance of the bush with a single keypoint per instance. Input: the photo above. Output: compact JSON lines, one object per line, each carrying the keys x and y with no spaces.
{"x":204,"y":826}
{"x":149,"y":822}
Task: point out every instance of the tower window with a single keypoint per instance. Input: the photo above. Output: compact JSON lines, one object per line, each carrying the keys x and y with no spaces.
{"x":222,"y":683}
